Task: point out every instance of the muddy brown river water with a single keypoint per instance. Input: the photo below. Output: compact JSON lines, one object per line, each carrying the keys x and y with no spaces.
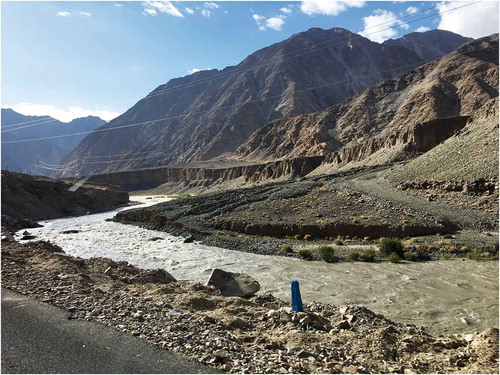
{"x":447,"y":296}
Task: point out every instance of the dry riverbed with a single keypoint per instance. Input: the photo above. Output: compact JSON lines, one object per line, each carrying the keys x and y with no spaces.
{"x":236,"y":335}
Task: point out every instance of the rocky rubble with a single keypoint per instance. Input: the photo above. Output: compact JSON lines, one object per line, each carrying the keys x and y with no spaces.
{"x":475,"y":187}
{"x":237,"y":335}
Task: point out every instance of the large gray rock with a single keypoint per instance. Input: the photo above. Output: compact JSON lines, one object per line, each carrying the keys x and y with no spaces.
{"x":233,"y":284}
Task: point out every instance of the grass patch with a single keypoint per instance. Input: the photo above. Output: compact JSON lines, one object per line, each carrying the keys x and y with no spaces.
{"x":286,"y":249}
{"x":394,"y":258}
{"x":367,"y":256}
{"x":475,"y":254}
{"x":306,"y":254}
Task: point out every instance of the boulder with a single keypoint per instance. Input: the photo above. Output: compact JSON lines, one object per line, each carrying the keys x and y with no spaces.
{"x":233,"y":284}
{"x":159,"y":276}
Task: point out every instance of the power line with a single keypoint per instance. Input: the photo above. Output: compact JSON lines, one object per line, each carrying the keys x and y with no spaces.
{"x":254,"y":66}
{"x":28,"y":126}
{"x":150,"y":122}
{"x":44,"y":118}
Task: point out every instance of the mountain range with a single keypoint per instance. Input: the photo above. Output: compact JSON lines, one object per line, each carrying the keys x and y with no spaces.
{"x":210,"y":114}
{"x":388,"y":116}
{"x":24,"y":155}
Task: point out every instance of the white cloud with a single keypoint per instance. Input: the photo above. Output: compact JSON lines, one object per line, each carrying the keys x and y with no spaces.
{"x":65,"y":115}
{"x":380,"y":25}
{"x":117,"y":5}
{"x":474,"y":21}
{"x":274,"y":23}
{"x":63,"y":14}
{"x":286,"y":10}
{"x":422,"y":29}
{"x":328,"y":7}
{"x":211,"y":5}
{"x":189,"y":10}
{"x":412,"y":10}
{"x":206,"y":13}
{"x":161,"y":6}
{"x":85,"y":14}
{"x":195,"y":70}
{"x":149,"y":12}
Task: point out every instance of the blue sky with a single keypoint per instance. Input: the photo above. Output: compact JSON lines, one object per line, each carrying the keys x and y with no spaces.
{"x":71,"y":59}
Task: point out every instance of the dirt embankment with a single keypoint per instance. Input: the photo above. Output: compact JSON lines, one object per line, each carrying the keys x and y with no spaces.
{"x":41,"y":198}
{"x":362,"y":204}
{"x":233,"y":334}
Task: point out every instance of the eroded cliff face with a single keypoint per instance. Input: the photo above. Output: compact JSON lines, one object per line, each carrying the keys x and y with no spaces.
{"x":209,"y":114}
{"x":203,"y":177}
{"x":411,"y":113}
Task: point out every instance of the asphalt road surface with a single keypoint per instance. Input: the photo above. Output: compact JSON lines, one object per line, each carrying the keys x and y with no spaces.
{"x":39,"y":338}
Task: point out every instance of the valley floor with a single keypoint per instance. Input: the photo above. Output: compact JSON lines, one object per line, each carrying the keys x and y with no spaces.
{"x":352,"y":209}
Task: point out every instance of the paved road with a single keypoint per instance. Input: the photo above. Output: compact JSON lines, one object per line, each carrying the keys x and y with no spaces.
{"x":38,"y":338}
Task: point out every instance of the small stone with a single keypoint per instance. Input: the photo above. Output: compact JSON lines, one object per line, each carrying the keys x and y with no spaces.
{"x":208,"y":319}
{"x":343,"y":324}
{"x":350,"y":318}
{"x":190,"y":239}
{"x":304,"y":354}
{"x":343,"y":309}
{"x":285,"y":317}
{"x":307,"y":320}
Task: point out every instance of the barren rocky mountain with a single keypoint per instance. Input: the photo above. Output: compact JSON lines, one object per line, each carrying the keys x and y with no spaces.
{"x":209,"y":114}
{"x":16,"y":156}
{"x":470,"y":155}
{"x":406,"y":115}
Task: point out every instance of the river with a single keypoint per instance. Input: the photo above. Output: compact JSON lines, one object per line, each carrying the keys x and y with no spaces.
{"x":446,"y":296}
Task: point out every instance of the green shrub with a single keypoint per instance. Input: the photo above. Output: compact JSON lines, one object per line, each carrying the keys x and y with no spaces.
{"x":367,"y":256}
{"x":390,"y":246}
{"x":423,"y":254}
{"x":411,"y":256}
{"x":475,"y":254}
{"x":327,"y":253}
{"x":338,"y":242}
{"x":306,"y":254}
{"x":354,"y":256}
{"x":286,"y":249}
{"x":394,"y":258}
{"x":297,"y":237}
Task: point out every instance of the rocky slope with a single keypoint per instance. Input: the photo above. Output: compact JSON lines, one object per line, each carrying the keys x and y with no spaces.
{"x":409,"y":114}
{"x":42,"y":198}
{"x":16,"y":156}
{"x":211,"y":113}
{"x":238,"y":335}
{"x":470,"y":155}
{"x":201,"y":176}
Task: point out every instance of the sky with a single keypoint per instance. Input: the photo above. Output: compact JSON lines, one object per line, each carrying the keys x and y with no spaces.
{"x":74,"y":59}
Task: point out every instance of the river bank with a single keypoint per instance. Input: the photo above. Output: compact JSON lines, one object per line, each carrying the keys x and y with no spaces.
{"x":355,"y":209}
{"x":236,"y":335}
{"x":445,"y":296}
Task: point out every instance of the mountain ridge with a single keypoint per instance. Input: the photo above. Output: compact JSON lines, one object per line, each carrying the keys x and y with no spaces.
{"x":50,"y":151}
{"x":210,"y":118}
{"x":457,"y":84}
